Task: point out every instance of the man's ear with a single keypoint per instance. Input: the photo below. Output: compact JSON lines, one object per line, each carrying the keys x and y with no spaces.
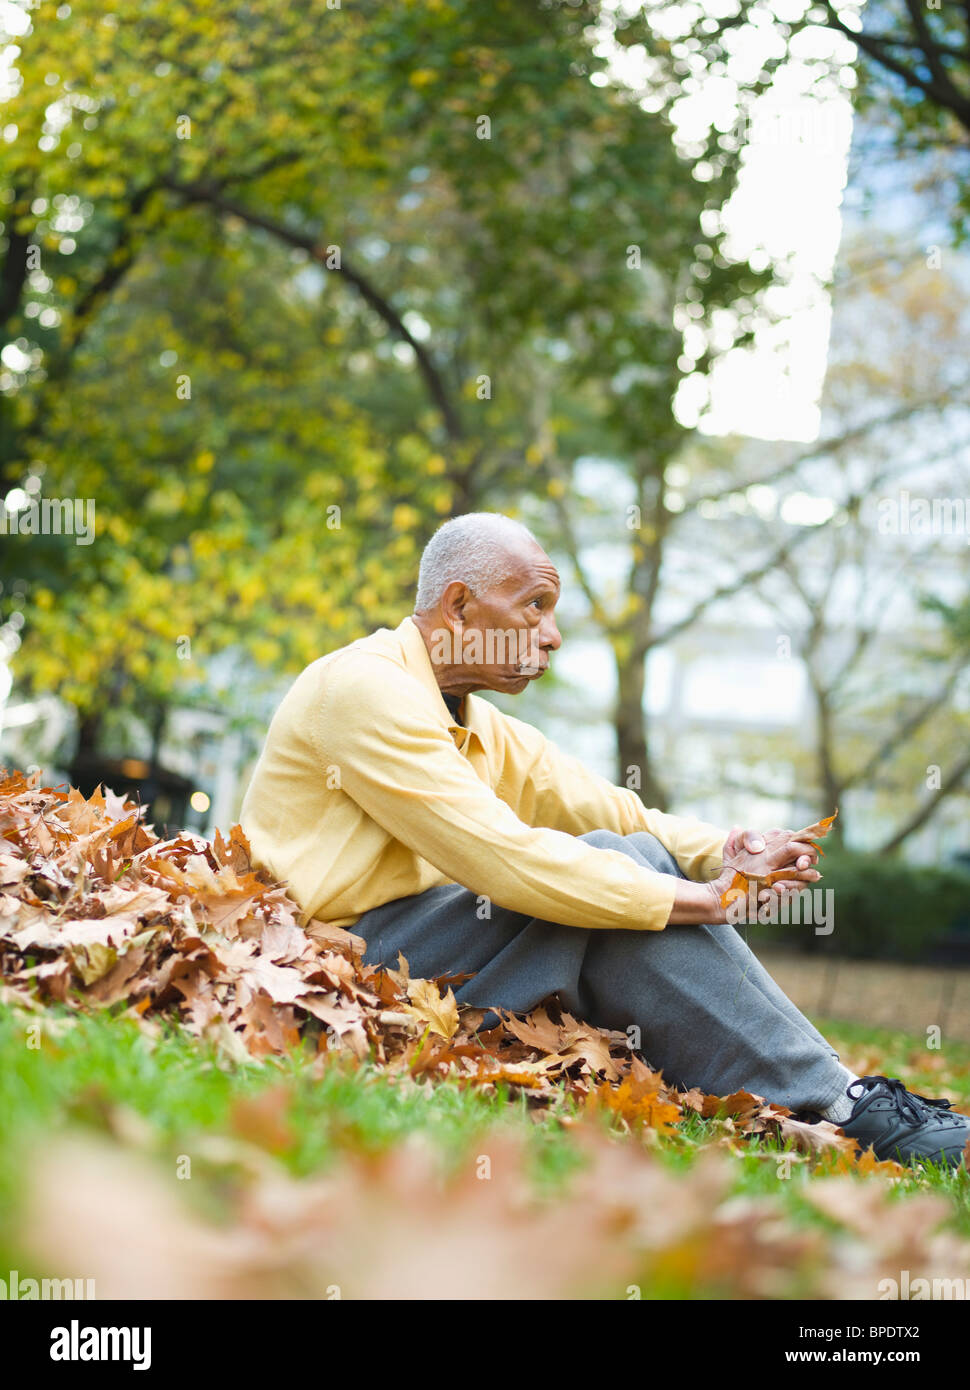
{"x":453,"y":601}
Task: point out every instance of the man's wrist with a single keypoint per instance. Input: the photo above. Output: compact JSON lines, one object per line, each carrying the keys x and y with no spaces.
{"x":717,"y":890}
{"x":697,"y":903}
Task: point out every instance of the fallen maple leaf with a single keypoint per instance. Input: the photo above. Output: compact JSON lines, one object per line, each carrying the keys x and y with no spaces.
{"x":821,"y":1137}
{"x":637,"y":1104}
{"x":439,"y":1012}
{"x":739,"y":1105}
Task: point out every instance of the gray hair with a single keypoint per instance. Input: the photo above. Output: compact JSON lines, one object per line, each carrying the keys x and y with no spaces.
{"x":478,"y":548}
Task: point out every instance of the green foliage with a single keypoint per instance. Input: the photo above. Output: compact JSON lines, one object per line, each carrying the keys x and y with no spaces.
{"x":883,"y":909}
{"x":187,"y":176}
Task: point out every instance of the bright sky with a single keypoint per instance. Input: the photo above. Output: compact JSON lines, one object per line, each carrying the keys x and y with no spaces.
{"x":785,"y":213}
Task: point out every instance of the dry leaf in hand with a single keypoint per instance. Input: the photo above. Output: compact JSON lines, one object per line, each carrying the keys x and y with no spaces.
{"x":742,"y":879}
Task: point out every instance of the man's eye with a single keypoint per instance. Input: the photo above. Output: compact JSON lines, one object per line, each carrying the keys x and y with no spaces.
{"x":538,"y":601}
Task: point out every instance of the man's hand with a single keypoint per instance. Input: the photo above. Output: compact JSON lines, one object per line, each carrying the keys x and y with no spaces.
{"x":757,"y":854}
{"x":760,"y":853}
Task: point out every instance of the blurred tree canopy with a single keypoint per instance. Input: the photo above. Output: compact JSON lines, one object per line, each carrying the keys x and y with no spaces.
{"x":910,"y":83}
{"x":281,"y":288}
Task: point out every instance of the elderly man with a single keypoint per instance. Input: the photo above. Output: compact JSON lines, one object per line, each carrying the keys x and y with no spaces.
{"x":394,"y":800}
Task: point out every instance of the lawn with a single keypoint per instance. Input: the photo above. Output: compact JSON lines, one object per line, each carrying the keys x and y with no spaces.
{"x":202,"y":1098}
{"x":167,"y":1165}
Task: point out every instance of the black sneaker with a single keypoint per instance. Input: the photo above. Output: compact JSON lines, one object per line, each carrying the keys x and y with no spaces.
{"x":902,"y":1125}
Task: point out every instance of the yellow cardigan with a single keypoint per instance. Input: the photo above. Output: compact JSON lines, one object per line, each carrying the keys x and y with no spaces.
{"x":367,"y":790}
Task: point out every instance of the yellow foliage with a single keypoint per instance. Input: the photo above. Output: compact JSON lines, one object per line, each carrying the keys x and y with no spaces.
{"x":252,"y":589}
{"x":265,"y":650}
{"x":205,"y":545}
{"x":405,"y":517}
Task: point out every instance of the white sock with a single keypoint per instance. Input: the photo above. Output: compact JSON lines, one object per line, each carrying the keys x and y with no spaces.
{"x":840,"y":1110}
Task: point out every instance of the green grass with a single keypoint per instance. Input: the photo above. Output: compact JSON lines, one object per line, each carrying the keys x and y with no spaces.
{"x":102,"y":1074}
{"x":902,"y":1054}
{"x":99,"y":1072}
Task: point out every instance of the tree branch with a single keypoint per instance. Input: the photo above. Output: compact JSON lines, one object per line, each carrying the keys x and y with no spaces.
{"x":929,"y":808}
{"x":825,"y":446}
{"x":14,"y":273}
{"x":903,"y":731}
{"x":958,"y":102}
{"x":727,"y":590}
{"x":213,"y":197}
{"x":571,"y":544}
{"x":943,"y":95}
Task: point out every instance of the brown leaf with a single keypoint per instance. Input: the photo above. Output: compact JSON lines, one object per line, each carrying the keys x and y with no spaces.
{"x":336,"y":938}
{"x":693,"y":1100}
{"x":263,"y":1119}
{"x":815,"y":1138}
{"x":427,"y":1004}
{"x":536,"y":1029}
{"x":637,"y":1104}
{"x":739,"y":1105}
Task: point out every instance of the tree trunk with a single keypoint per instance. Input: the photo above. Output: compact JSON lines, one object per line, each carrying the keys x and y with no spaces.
{"x":158,"y":722}
{"x":88,"y":735}
{"x":632,"y":643}
{"x":829,"y":782}
{"x":634,"y":766}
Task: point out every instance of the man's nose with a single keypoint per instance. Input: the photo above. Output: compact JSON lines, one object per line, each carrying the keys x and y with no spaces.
{"x":550,"y":636}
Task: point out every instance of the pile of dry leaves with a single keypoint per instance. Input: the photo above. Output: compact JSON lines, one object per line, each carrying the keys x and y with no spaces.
{"x":96,"y":911}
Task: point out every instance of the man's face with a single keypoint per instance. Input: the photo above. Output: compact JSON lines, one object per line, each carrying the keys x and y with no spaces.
{"x":502,"y":639}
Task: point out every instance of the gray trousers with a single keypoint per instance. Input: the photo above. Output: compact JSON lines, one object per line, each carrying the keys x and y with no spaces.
{"x":708,"y":1013}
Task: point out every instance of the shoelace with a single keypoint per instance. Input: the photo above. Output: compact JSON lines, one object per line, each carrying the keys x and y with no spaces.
{"x":942,"y":1104}
{"x":908,"y":1103}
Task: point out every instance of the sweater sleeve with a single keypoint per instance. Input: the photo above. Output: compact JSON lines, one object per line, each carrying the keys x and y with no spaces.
{"x":398,"y":762}
{"x":553,"y":788}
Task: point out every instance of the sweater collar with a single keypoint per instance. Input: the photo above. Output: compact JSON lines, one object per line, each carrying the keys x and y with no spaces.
{"x":417,"y":660}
